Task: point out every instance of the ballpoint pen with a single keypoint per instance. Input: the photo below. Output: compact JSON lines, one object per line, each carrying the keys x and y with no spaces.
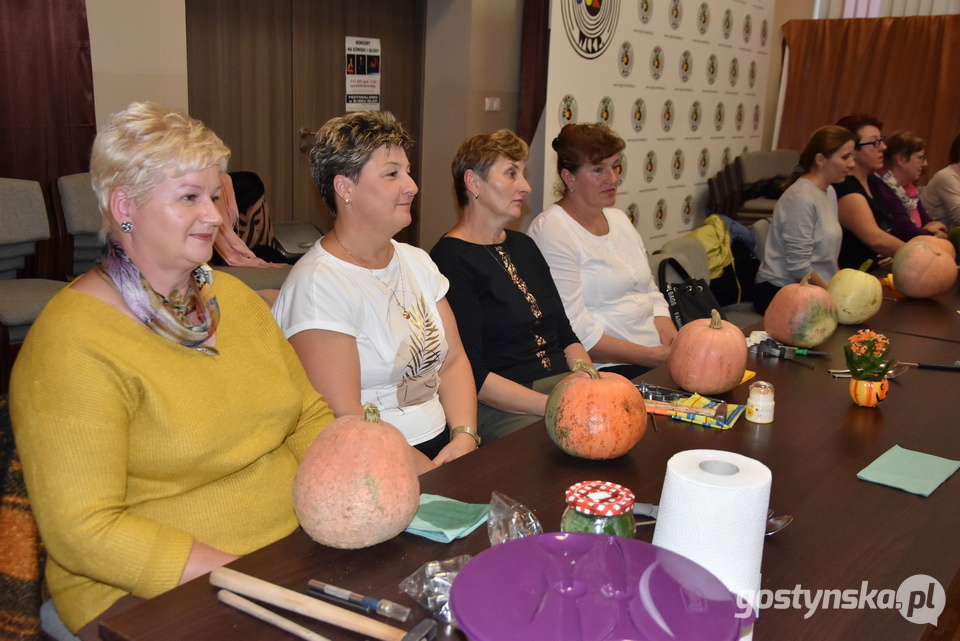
{"x":380,"y":606}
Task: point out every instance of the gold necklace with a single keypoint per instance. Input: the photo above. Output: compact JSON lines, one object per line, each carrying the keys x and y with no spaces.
{"x":403,"y":305}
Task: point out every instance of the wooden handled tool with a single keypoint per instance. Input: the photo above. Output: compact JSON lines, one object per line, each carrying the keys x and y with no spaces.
{"x":662,"y":407}
{"x":267,"y":592}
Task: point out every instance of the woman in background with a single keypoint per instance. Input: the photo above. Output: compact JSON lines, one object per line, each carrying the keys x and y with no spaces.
{"x":160,"y":416}
{"x":511,"y":318}
{"x":941,"y":196}
{"x":904,"y":162}
{"x":366,"y":314}
{"x":598,"y":260}
{"x":805,"y":233}
{"x":865,"y":220}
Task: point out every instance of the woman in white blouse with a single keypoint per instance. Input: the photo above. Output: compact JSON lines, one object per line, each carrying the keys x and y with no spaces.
{"x":598,"y":260}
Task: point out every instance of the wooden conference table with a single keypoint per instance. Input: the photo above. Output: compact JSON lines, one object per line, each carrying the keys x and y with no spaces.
{"x":845,"y":532}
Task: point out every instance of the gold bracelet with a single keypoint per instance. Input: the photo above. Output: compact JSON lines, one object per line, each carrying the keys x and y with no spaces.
{"x":465,"y":429}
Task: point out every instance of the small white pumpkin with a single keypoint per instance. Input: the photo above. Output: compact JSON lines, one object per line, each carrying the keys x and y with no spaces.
{"x":856,"y":293}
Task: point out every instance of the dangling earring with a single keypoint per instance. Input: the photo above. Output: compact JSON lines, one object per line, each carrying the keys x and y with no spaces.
{"x":126,"y":226}
{"x":476,"y":196}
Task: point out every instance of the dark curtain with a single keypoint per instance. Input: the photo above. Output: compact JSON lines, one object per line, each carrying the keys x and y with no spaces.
{"x":47,"y":118}
{"x":534,"y":59}
{"x":901,"y":70}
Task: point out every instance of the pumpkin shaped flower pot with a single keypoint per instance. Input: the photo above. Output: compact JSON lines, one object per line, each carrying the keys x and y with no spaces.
{"x":357,"y":484}
{"x":598,"y":416}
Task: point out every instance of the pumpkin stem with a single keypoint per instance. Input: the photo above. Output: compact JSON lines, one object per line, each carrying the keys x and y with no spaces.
{"x":715,"y":321}
{"x":370,"y":413}
{"x":580,"y":366}
{"x":866,"y":265}
{"x":806,"y":279}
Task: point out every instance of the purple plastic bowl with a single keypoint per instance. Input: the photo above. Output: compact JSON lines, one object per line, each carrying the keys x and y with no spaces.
{"x":591,"y":587}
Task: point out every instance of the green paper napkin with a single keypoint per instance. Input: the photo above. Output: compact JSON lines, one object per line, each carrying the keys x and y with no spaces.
{"x":915,"y":472}
{"x":441,"y":519}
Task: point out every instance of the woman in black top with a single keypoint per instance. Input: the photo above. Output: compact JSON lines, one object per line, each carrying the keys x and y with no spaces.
{"x":863,"y":216}
{"x":510,"y":315}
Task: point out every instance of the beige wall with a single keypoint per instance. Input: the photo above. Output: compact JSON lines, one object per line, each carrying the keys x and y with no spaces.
{"x":782,"y":12}
{"x":472,"y":53}
{"x":139,"y":52}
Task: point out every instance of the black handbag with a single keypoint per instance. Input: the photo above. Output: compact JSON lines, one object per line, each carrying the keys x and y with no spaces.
{"x":689,"y":299}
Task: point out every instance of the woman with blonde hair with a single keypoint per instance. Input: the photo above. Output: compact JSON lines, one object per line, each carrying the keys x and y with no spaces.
{"x":805,"y":234}
{"x":514,"y":329}
{"x":159,"y":412}
{"x":368,"y":315}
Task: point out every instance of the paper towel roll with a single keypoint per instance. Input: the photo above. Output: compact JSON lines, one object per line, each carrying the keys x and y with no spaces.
{"x":713,"y":510}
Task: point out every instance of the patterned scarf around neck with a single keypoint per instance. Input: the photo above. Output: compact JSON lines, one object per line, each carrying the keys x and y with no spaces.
{"x":166,"y":316}
{"x":907,"y":194}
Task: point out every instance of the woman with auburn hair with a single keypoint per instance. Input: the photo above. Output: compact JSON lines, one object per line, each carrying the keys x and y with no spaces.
{"x":865,"y":219}
{"x":597,"y":257}
{"x":511,"y":318}
{"x":805,"y":233}
{"x":159,"y":412}
{"x":368,"y":315}
{"x":941,"y":196}
{"x":904,"y":162}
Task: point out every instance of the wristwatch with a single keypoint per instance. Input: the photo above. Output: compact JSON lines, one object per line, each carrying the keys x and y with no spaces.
{"x":465,"y":429}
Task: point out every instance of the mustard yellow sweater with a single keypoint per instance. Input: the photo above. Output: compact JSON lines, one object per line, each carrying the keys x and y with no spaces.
{"x":133,"y":447}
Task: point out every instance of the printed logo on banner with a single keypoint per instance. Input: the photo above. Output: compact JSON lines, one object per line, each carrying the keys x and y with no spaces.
{"x":695,"y":115}
{"x":727,"y":27}
{"x":740,"y":116}
{"x":763,"y":33}
{"x":676,"y":14}
{"x":703,"y":18}
{"x":686,"y":210}
{"x":747,"y":28}
{"x":650,"y":166}
{"x":703,"y":164}
{"x":734,"y":72}
{"x":666,"y":116}
{"x":623,"y":169}
{"x":726,"y":156}
{"x":656,"y":63}
{"x":752,"y":76}
{"x":632,"y":211}
{"x":605,"y":110}
{"x":659,"y":213}
{"x":712,"y":69}
{"x":625,"y":60}
{"x":676,"y":169}
{"x":646,"y":11}
{"x":756,"y":117}
{"x":568,"y":110}
{"x":718,"y":117}
{"x":686,"y":64}
{"x":590,"y":25}
{"x":639,"y":118}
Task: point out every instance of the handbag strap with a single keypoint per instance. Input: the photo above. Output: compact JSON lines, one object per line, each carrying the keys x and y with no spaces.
{"x":662,"y":271}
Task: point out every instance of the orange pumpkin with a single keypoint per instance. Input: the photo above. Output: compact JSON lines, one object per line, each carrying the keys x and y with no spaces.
{"x":801,"y":315}
{"x":922,"y":269}
{"x":599,"y":416}
{"x":357,"y":484}
{"x":708,"y":356}
{"x":944,"y":244}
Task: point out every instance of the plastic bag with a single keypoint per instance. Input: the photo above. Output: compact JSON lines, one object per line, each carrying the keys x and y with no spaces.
{"x":508,"y":520}
{"x":430,"y":585}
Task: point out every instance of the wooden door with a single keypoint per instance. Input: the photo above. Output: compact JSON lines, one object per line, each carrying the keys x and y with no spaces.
{"x":262,"y":71}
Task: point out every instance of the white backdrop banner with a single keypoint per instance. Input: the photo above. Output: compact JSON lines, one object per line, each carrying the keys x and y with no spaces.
{"x":682,"y":82}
